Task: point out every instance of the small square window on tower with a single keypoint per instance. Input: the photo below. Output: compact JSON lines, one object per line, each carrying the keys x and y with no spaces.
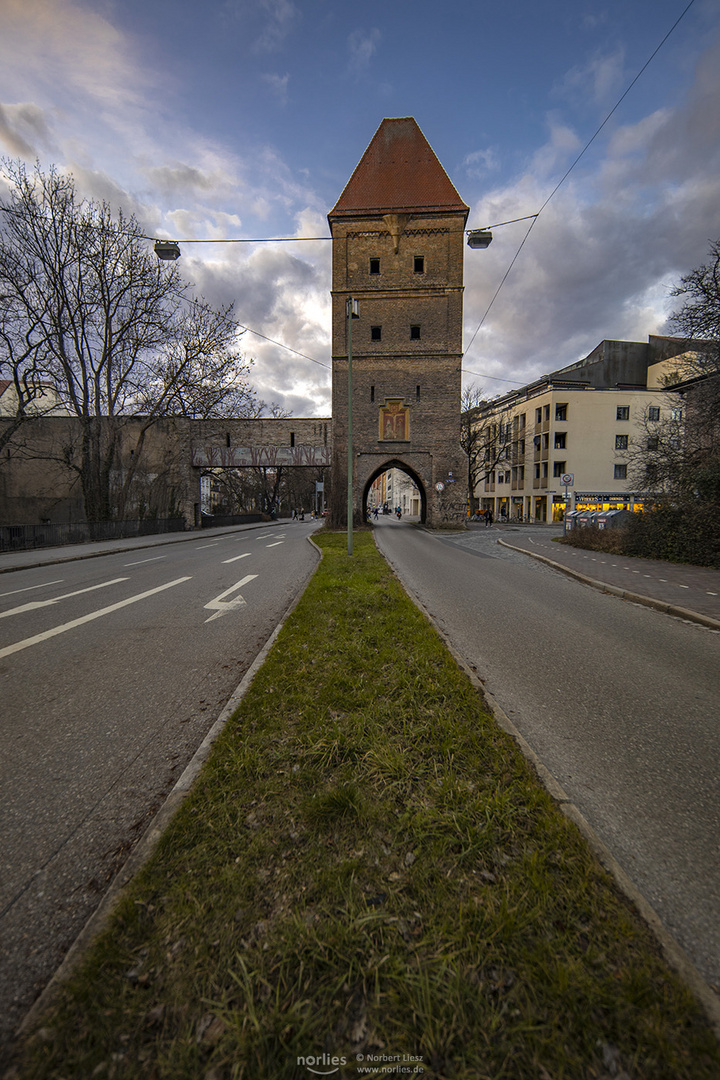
{"x":414,"y":333}
{"x":374,"y":266}
{"x":419,"y":264}
{"x":376,"y":333}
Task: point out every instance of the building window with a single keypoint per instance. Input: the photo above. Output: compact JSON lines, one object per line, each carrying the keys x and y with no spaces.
{"x":546,"y":441}
{"x":372,"y":393}
{"x":414,"y":333}
{"x":560,"y":438}
{"x":559,"y":468}
{"x":376,"y":333}
{"x":417,"y":392}
{"x":654,"y":412}
{"x":537,"y":471}
{"x":419,"y":264}
{"x":292,"y":438}
{"x":623,"y":412}
{"x":546,"y":412}
{"x":561,"y":412}
{"x":653,"y":442}
{"x":620,"y":472}
{"x":538,"y":416}
{"x":374,"y":266}
{"x":676,"y":414}
{"x":621,"y":442}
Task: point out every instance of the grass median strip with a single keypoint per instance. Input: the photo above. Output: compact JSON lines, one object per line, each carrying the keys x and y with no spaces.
{"x":368,"y":879}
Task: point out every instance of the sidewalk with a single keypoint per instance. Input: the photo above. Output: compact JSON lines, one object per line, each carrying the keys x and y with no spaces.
{"x":691,"y":592}
{"x":28,"y":560}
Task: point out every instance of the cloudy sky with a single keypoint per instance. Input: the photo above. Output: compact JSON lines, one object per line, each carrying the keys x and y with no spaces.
{"x":238,"y":119}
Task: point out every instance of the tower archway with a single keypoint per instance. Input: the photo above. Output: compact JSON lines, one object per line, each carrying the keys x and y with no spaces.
{"x":401,"y":466}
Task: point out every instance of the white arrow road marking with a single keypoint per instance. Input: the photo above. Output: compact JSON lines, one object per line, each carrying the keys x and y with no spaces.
{"x":236,"y":557}
{"x":9,"y":649}
{"x":33,"y":605}
{"x":222,"y":605}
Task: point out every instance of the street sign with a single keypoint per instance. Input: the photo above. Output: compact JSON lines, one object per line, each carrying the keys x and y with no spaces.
{"x":439,"y":486}
{"x":568,"y":478}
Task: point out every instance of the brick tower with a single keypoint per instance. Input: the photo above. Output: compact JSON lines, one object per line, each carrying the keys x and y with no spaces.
{"x":398,"y":242}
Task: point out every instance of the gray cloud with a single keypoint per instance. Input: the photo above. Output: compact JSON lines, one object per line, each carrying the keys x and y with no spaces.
{"x":24,"y":130}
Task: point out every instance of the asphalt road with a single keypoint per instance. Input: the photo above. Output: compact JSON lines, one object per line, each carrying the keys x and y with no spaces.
{"x":112,"y":670}
{"x":620,"y":702}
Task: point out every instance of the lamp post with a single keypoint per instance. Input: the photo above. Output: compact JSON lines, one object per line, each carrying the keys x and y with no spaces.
{"x":167,"y":250}
{"x":352,"y":313}
{"x":479,"y":238}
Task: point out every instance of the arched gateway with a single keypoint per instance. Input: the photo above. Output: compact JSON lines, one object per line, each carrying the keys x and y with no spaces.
{"x":398,"y":232}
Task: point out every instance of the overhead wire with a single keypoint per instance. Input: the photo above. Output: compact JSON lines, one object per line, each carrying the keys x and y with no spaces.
{"x":564,"y":177}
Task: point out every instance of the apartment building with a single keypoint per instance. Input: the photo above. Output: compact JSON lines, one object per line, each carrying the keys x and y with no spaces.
{"x":563,"y":441}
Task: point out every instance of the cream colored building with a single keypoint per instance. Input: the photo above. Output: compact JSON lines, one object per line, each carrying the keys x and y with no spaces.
{"x":45,"y":401}
{"x":570,"y":432}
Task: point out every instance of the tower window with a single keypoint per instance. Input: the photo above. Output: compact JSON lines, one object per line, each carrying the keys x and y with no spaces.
{"x":292,"y":438}
{"x":372,"y":393}
{"x":376,"y":333}
{"x":417,"y":392}
{"x":419,"y":264}
{"x":374,"y":266}
{"x":414,"y":333}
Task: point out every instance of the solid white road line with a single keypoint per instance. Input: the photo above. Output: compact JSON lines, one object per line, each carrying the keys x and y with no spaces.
{"x":19,"y":645}
{"x":35,"y":605}
{"x":45,"y":584}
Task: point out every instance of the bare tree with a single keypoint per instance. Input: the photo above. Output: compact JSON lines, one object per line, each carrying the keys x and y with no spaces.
{"x":88,"y":309}
{"x":698,"y":320}
{"x":675,"y":452}
{"x":485,"y":437}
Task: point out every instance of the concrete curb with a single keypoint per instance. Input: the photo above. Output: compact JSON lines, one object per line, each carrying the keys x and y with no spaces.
{"x":145,"y":847}
{"x":673,"y":952}
{"x":614,"y":590}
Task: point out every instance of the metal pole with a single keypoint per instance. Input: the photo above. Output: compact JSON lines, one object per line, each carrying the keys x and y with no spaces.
{"x":565,"y":513}
{"x":350,"y":433}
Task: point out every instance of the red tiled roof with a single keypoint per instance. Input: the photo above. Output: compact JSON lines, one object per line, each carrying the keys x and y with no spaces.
{"x":398,"y":171}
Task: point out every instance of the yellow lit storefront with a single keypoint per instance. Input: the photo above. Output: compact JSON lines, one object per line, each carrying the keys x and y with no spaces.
{"x":597,"y":500}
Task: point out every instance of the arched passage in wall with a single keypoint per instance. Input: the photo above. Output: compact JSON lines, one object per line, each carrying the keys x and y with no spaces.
{"x":395,"y":463}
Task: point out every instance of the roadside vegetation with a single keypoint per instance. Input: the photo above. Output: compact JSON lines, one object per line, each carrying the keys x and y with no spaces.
{"x":688,"y":532}
{"x":368,"y":870}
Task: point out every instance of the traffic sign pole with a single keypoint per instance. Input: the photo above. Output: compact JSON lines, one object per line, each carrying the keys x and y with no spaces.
{"x":566,"y":479}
